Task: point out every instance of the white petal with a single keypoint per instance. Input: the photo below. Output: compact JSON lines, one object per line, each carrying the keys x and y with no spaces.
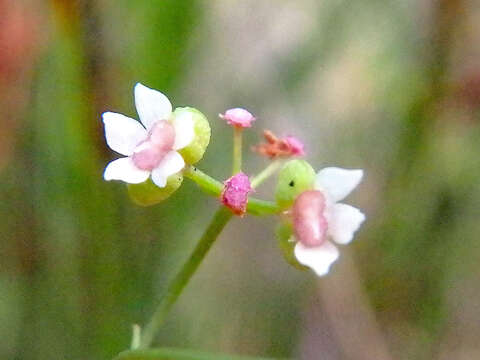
{"x":184,"y":130}
{"x":151,"y":105}
{"x":171,"y":164}
{"x":344,"y":222}
{"x":318,"y":258}
{"x":124,"y":169}
{"x":122,"y":133}
{"x":337,"y":182}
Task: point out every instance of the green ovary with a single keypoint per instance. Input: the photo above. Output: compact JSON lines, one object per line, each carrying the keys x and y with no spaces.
{"x":147,"y":193}
{"x":195,"y":150}
{"x":284,"y":233}
{"x":295,"y":177}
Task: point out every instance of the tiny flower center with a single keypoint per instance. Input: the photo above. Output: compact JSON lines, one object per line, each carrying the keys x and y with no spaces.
{"x":150,"y":152}
{"x":309,"y":222}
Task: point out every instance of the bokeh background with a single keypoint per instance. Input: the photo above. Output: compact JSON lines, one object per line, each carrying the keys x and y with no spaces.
{"x":391,"y":86}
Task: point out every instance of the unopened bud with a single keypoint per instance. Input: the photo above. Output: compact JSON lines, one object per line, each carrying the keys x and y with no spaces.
{"x":235,"y":193}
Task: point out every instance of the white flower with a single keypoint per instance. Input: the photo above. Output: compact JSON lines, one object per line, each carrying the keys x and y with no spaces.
{"x":318,"y":218}
{"x":150,"y":149}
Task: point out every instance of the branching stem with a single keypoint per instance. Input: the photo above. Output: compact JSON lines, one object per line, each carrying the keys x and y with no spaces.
{"x":266,"y":173}
{"x":176,"y":286}
{"x":214,"y":187}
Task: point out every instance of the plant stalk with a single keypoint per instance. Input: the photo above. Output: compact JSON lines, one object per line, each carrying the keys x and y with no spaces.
{"x":179,"y":354}
{"x":237,"y":150}
{"x":214,"y":187}
{"x":176,"y":286}
{"x":266,"y":173}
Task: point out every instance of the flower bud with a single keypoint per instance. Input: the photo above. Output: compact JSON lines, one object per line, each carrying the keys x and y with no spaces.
{"x":195,"y":150}
{"x":295,"y":177}
{"x":238,"y":117}
{"x":297,"y":148}
{"x":235,"y":193}
{"x":277,"y":147}
{"x":147,"y":193}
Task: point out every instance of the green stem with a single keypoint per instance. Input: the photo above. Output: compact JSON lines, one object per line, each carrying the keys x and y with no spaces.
{"x":237,"y":150}
{"x":261,"y":207}
{"x":220,"y":219}
{"x":136,"y":336}
{"x":214,"y":187}
{"x":208,"y":184}
{"x":266,"y":173}
{"x":178,"y":354}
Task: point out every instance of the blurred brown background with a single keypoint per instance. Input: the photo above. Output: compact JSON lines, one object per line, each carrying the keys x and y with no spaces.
{"x":389,"y":86}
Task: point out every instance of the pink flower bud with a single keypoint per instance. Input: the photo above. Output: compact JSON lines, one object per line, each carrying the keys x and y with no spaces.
{"x":235,"y":193}
{"x":276,"y":147}
{"x":238,"y":117}
{"x":295,"y":145}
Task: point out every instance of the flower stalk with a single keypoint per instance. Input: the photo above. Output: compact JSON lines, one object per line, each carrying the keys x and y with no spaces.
{"x":266,"y":173}
{"x":176,"y":286}
{"x":214,"y":187}
{"x":179,"y":354}
{"x":222,"y":216}
{"x":207,"y":183}
{"x":237,"y":150}
{"x":136,"y":336}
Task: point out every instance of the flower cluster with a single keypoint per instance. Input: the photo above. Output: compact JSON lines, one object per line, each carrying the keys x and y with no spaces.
{"x":160,"y":149}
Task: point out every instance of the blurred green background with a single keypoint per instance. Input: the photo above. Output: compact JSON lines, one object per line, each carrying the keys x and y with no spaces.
{"x":389,"y":86}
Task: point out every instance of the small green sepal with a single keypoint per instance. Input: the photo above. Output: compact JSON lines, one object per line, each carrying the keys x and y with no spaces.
{"x":148,"y":194}
{"x":284,"y":233}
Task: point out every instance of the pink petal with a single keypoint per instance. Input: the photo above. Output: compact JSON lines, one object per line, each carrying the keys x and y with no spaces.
{"x":124,"y":169}
{"x":338,"y":182}
{"x":319,"y":258}
{"x":345,"y":221}
{"x":151,"y":105}
{"x":122,"y":133}
{"x":171,"y":164}
{"x":296,"y":146}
